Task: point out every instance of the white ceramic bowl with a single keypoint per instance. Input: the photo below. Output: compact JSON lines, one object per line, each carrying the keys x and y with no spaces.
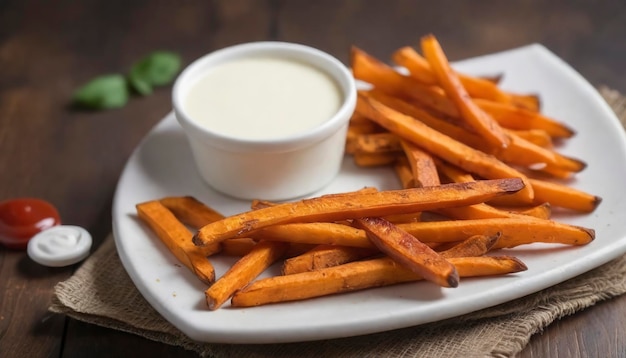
{"x":273,"y":169}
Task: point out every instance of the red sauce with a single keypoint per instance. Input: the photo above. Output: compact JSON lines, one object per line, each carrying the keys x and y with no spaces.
{"x":22,"y":218}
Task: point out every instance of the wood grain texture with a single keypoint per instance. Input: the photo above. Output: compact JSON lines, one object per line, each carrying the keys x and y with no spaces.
{"x":74,"y":158}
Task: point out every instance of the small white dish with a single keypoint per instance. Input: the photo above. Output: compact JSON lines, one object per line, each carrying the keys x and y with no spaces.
{"x":279,"y":168}
{"x":156,"y":170}
{"x":60,"y":245}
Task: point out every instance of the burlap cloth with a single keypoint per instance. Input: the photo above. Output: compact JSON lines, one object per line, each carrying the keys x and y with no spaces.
{"x":101,"y":292}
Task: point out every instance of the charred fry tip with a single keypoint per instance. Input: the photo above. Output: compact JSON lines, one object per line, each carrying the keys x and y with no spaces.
{"x":590,"y":232}
{"x":511,"y":185}
{"x":596,"y":201}
{"x":519,"y":266}
{"x":453,"y":279}
{"x":582,"y":165}
{"x":197,"y":240}
{"x":493,"y":239}
{"x":495,"y":78}
{"x":208,"y":279}
{"x":570,"y":131}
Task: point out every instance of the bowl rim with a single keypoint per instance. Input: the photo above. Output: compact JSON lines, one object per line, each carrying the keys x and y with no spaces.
{"x":310,"y":55}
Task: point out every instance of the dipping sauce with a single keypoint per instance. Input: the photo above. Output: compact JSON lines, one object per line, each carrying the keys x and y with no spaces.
{"x":59,"y":246}
{"x":263,"y":98}
{"x":22,"y":218}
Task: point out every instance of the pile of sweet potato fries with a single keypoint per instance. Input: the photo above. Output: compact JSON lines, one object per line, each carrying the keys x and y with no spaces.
{"x":479,"y":172}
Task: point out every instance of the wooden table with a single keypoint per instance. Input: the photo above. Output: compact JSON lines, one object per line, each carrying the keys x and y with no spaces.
{"x":73,"y":158}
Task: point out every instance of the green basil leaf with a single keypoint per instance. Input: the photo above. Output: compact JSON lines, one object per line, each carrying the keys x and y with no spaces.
{"x":139,"y":84}
{"x":103,"y":92}
{"x":157,"y":69}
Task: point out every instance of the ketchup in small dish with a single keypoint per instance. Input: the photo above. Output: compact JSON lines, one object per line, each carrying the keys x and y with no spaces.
{"x":23,"y":218}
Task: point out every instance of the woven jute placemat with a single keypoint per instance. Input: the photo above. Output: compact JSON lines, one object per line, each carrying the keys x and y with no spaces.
{"x":102,"y":293}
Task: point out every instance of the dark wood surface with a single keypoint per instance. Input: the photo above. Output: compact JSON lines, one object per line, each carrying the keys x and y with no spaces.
{"x":73,"y":158}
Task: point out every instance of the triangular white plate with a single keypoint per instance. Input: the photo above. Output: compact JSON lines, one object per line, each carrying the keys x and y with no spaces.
{"x":162,"y":166}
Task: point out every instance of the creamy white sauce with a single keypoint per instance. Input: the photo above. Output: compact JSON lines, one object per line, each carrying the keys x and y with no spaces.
{"x":263,"y":98}
{"x":61,"y":245}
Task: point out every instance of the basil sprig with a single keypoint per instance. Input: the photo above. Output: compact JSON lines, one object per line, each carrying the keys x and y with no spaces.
{"x":113,"y":91}
{"x":103,"y":92}
{"x":157,"y":69}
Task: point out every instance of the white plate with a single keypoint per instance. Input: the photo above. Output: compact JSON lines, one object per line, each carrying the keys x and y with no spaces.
{"x":162,"y":166}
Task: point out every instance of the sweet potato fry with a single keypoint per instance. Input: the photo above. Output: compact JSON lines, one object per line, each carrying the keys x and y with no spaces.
{"x":487,"y":265}
{"x":493,"y":78}
{"x":352,"y":276}
{"x":526,"y":153}
{"x":440,"y":145}
{"x":177,"y":238}
{"x":518,"y":118}
{"x":514,"y":231}
{"x":243,"y":271}
{"x":324,"y":233}
{"x":483,"y":210}
{"x":551,"y":172}
{"x":476,"y":211}
{"x":480,"y":121}
{"x":324,"y":256}
{"x":350,"y":145}
{"x":476,"y":245}
{"x":536,"y":136}
{"x":315,"y":233}
{"x":564,"y":196}
{"x":422,"y":165}
{"x":377,"y":143}
{"x":455,"y":174}
{"x":530,"y":102}
{"x":359,"y":128}
{"x":260,"y":204}
{"x":191,"y":211}
{"x":420,"y":69}
{"x":374,"y":159}
{"x":357,"y":119}
{"x":239,"y":246}
{"x":409,"y":251}
{"x":404,"y":172}
{"x":541,"y":211}
{"x":418,"y":66}
{"x":404,"y":218}
{"x":349,"y":206}
{"x":358,"y":275}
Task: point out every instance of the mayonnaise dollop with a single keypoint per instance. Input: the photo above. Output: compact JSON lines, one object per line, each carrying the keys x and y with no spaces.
{"x":60,"y":245}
